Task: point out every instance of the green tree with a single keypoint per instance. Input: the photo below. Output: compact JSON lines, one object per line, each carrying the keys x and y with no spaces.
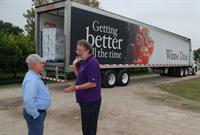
{"x":14,"y":50}
{"x":6,"y":27}
{"x":10,"y":55}
{"x":197,"y":54}
{"x":15,"y":47}
{"x":30,"y":23}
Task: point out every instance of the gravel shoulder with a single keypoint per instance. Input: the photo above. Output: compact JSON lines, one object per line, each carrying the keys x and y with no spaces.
{"x":137,"y":109}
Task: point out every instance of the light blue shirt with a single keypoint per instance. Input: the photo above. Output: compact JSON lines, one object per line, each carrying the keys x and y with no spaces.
{"x":35,"y":94}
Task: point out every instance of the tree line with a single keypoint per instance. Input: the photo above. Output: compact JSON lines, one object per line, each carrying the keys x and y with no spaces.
{"x":16,"y":44}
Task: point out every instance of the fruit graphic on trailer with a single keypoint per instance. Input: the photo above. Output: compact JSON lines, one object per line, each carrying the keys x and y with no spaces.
{"x":134,"y":51}
{"x":149,"y":44}
{"x":139,"y":41}
{"x":142,"y":47}
{"x":144,"y":55}
{"x":145,"y":32}
{"x":137,"y":61}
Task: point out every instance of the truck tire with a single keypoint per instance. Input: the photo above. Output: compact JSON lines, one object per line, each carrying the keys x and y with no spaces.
{"x":166,"y":71}
{"x":123,"y":77}
{"x":194,"y":71}
{"x":180,"y":72}
{"x":109,"y":79}
{"x":161,"y":74}
{"x":185,"y":72}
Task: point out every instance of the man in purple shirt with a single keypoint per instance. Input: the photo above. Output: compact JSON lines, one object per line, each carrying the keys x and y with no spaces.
{"x":87,"y":87}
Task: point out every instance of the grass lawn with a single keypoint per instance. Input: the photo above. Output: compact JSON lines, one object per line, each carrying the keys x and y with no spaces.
{"x":7,"y":78}
{"x":10,"y":75}
{"x":2,"y":86}
{"x":188,"y":89}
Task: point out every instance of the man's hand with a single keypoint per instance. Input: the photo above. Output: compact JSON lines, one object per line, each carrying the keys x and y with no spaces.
{"x":75,"y":68}
{"x":75,"y":62}
{"x":70,"y":89}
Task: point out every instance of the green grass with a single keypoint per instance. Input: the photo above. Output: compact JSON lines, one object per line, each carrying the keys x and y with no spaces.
{"x":188,"y":90}
{"x":10,"y":75}
{"x":14,"y":85}
{"x":7,"y":78}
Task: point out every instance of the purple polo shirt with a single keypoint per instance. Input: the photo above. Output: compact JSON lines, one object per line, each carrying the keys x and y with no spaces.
{"x":89,"y":71}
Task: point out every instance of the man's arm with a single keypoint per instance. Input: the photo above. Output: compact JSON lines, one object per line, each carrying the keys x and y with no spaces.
{"x":29,"y":93}
{"x":87,"y":85}
{"x":92,"y":80}
{"x":84,"y":86}
{"x":75,"y":68}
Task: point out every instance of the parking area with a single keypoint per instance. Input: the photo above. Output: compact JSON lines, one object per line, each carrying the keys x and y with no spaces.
{"x":131,"y":110}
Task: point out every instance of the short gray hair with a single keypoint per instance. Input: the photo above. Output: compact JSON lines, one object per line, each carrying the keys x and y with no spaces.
{"x":85,"y":44}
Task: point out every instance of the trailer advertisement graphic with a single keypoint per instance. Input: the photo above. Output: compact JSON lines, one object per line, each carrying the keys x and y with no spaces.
{"x":176,"y":56}
{"x":143,"y":46}
{"x":113,"y":41}
{"x":105,"y":46}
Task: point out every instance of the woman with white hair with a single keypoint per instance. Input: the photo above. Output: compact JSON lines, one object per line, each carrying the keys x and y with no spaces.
{"x":36,"y":97}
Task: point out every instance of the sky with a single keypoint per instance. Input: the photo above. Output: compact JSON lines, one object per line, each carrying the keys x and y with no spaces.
{"x":179,"y":16}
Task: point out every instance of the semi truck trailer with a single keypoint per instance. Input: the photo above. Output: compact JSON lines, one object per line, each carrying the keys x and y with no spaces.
{"x":119,"y":43}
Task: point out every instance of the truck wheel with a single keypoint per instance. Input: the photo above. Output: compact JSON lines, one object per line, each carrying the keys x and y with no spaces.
{"x":180,"y":72}
{"x":194,"y":71}
{"x":161,"y":74}
{"x":166,"y":71}
{"x":185,"y":72}
{"x":109,"y":79}
{"x":123,"y":78}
